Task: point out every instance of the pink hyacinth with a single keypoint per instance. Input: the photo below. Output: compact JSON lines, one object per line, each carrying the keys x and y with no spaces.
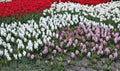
{"x":59,"y":49}
{"x":115,"y":40}
{"x":76,"y":52}
{"x":96,"y":45}
{"x":52,"y":44}
{"x":73,"y":55}
{"x":107,"y":50}
{"x":81,"y":44}
{"x":28,"y":54}
{"x":98,"y":52}
{"x":101,"y":52}
{"x":68,"y":61}
{"x":115,"y":55}
{"x":54,"y":52}
{"x":117,"y":46}
{"x":84,"y":46}
{"x":115,"y":49}
{"x":88,"y":54}
{"x":45,"y":51}
{"x":113,"y":33}
{"x":85,"y":50}
{"x":61,"y":44}
{"x":32,"y":56}
{"x":116,"y":34}
{"x":60,"y":38}
{"x":107,"y":38}
{"x":111,"y":56}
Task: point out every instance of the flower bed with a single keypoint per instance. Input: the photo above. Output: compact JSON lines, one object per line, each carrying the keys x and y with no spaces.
{"x":65,"y":28}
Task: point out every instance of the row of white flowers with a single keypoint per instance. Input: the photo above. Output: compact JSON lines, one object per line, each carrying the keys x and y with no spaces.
{"x":27,"y":37}
{"x":103,"y":12}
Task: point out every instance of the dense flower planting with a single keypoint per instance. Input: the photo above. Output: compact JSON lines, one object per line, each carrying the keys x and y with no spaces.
{"x":66,"y":28}
{"x":83,"y":1}
{"x":22,"y":7}
{"x":89,"y":40}
{"x":107,"y":13}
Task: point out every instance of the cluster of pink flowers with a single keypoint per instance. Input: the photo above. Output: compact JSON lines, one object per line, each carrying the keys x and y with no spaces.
{"x":87,"y":40}
{"x":31,"y":56}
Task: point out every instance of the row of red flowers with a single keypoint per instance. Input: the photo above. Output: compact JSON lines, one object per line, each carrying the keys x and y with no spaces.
{"x":21,"y":7}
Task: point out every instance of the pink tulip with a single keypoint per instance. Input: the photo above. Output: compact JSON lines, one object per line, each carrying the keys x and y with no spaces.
{"x":65,"y":51}
{"x":74,"y":45}
{"x":87,"y":43}
{"x":76,"y":41}
{"x":59,"y":49}
{"x":94,"y":48}
{"x":100,"y":47}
